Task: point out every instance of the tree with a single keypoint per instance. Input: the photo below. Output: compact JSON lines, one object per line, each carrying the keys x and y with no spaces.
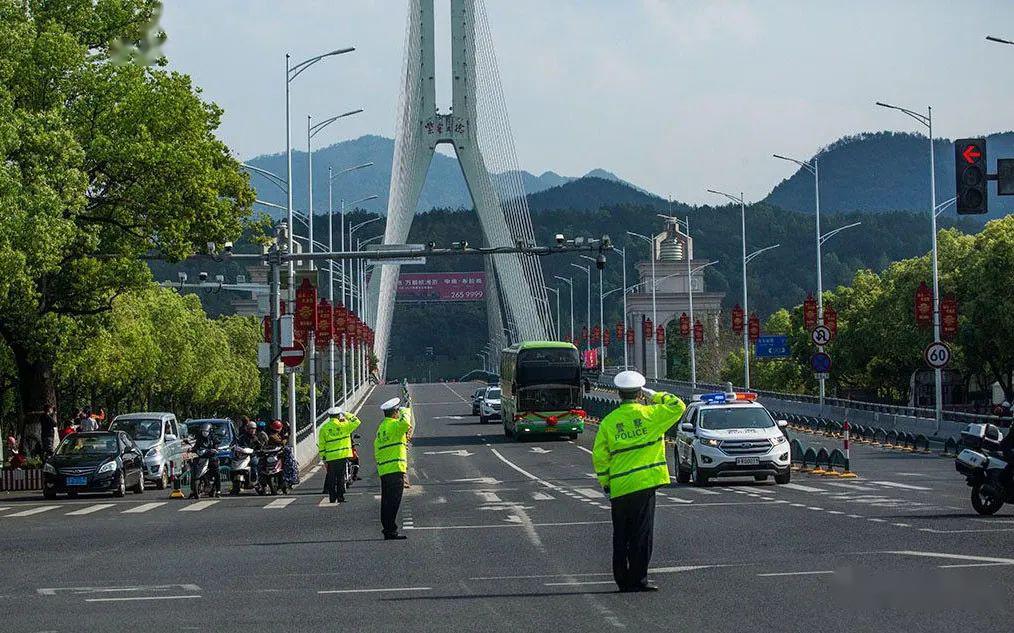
{"x":101,"y":163}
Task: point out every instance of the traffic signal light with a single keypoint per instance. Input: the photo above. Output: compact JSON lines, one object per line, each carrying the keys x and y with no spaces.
{"x":970,"y":173}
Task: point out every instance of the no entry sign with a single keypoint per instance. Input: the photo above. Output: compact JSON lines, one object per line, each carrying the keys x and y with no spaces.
{"x":293,"y":356}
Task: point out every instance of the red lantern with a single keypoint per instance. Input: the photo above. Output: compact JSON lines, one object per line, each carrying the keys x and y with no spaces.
{"x":596,"y":335}
{"x":340,"y":314}
{"x":619,"y":331}
{"x":923,"y":305}
{"x":266,"y":324}
{"x":648,"y":329}
{"x":831,"y":320}
{"x":306,"y":310}
{"x":698,"y":333}
{"x":737,"y":319}
{"x":660,"y":336}
{"x":630,"y":336}
{"x":753,"y":330}
{"x":810,"y":313}
{"x":949,"y":317}
{"x":684,"y":325}
{"x":606,"y":334}
{"x":325,"y":323}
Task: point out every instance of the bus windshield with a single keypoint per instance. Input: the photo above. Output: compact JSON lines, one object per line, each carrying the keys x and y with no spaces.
{"x":553,"y":366}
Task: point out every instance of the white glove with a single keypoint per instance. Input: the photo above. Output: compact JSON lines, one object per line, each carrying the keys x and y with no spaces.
{"x":648,"y":393}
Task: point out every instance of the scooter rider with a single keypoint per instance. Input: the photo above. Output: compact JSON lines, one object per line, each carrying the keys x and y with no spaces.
{"x":204,"y":441}
{"x":250,"y":438}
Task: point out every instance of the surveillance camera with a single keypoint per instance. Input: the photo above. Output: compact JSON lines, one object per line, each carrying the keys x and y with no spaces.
{"x":220,"y":278}
{"x":203,"y":276}
{"x":182,"y":276}
{"x":600,"y":262}
{"x":559,"y":239}
{"x":227,"y":247}
{"x":578,"y":241}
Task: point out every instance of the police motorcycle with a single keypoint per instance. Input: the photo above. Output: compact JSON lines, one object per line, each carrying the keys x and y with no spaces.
{"x":270,"y":471}
{"x":240,"y":471}
{"x":983,"y":466}
{"x":352,"y":469}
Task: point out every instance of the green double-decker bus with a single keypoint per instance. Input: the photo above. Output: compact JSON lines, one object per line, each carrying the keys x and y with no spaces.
{"x":540,"y":390}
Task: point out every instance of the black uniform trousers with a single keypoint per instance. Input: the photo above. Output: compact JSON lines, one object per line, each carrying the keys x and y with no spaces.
{"x":334,"y":481}
{"x":392,"y":487}
{"x":633,"y":526}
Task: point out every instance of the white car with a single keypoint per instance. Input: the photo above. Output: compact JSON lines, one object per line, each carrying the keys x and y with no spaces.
{"x":489,"y":406}
{"x":730,"y":435}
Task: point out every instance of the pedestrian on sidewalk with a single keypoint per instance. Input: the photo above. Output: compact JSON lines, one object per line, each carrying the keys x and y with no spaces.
{"x":629,"y":458}
{"x":390,"y":449}
{"x":334,"y":443}
{"x":49,"y":424}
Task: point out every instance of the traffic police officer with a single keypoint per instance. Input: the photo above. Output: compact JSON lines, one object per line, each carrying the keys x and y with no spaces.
{"x":334,"y":443}
{"x":630,"y":464}
{"x":390,"y":449}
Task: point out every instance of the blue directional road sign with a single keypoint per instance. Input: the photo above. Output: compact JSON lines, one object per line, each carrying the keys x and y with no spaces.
{"x":820,"y":363}
{"x":772,"y":347}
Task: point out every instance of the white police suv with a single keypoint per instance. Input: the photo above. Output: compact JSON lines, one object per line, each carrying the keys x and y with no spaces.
{"x":730,"y":435}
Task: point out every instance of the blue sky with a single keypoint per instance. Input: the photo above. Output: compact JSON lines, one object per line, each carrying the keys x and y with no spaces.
{"x":673,"y":95}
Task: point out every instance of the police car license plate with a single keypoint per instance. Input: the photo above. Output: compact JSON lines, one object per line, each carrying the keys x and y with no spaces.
{"x":77,"y":481}
{"x":747,"y":461}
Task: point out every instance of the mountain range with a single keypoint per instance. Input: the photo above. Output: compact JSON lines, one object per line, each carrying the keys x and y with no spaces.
{"x":874,"y":172}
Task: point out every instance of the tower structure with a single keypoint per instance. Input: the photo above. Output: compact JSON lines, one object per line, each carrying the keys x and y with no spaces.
{"x":478,"y":129}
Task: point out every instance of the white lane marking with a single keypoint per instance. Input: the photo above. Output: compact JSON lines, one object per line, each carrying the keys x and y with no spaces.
{"x":457,"y":395}
{"x":901,"y":524}
{"x":280,"y":503}
{"x":31,"y":511}
{"x":540,"y":450}
{"x":678,"y":500}
{"x":577,"y":582}
{"x":90,"y":509}
{"x":52,"y":591}
{"x":855,"y":516}
{"x":802,"y":488}
{"x":541,"y":496}
{"x":198,"y":506}
{"x":135,"y":598}
{"x":486,"y":481}
{"x":980,"y":559}
{"x":967,"y":565}
{"x":912,"y":474}
{"x":458,"y":452}
{"x":875,"y":520}
{"x":815,"y":508}
{"x":509,"y":525}
{"x":584,"y":449}
{"x":796,"y":573}
{"x":379,"y":590}
{"x":144,"y":507}
{"x":489,"y":497}
{"x":728,"y":503}
{"x":700,"y":491}
{"x":892,"y":484}
{"x":591,"y":493}
{"x":835,"y":512}
{"x":840,"y":484}
{"x":5,"y":508}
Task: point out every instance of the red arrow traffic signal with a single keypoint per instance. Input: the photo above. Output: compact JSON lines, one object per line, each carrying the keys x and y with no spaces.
{"x":970,"y":154}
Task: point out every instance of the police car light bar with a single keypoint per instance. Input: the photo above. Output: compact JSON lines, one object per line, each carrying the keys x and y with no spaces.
{"x":715,"y":398}
{"x":721,"y":397}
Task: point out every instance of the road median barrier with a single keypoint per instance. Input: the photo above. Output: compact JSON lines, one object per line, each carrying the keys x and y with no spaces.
{"x":176,"y":492}
{"x":796,"y":454}
{"x":822,"y":459}
{"x":809,"y":459}
{"x":838,"y":459}
{"x":891,"y":439}
{"x":922,"y":440}
{"x":951,"y":447}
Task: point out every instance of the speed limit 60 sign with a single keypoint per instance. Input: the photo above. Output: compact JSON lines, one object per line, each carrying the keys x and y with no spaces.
{"x":937,"y":355}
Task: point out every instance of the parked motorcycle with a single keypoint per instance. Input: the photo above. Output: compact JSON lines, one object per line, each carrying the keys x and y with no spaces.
{"x":983,"y":466}
{"x":270,"y":475}
{"x":240,"y":472}
{"x":352,"y":470}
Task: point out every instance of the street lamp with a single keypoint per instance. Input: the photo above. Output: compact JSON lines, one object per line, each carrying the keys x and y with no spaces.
{"x":485,"y":360}
{"x":654,"y":310}
{"x":312,"y":131}
{"x":570,"y":282}
{"x":559,"y":316}
{"x":623,"y":256}
{"x":927,"y":120}
{"x":587,"y":314}
{"x":291,"y":72}
{"x":999,"y":40}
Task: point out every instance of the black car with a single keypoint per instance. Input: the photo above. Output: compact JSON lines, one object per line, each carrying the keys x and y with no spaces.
{"x":94,"y":461}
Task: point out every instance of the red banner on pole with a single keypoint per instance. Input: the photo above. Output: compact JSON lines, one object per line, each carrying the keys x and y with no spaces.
{"x":606,"y":335}
{"x":596,"y":335}
{"x":684,"y":325}
{"x":949,"y":317}
{"x":660,"y":336}
{"x":737,"y":319}
{"x":810,"y":313}
{"x":630,"y":336}
{"x":754,"y":328}
{"x":923,"y":305}
{"x":306,"y":310}
{"x":648,"y":329}
{"x":325,"y":323}
{"x":266,"y":325}
{"x":698,"y":332}
{"x":831,"y":320}
{"x":619,"y":332}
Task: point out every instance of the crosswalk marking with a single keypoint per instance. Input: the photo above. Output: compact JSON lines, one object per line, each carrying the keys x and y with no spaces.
{"x":802,"y":488}
{"x":541,"y":496}
{"x":891,"y":484}
{"x":840,"y":484}
{"x":90,"y":509}
{"x":144,"y":507}
{"x":198,"y":506}
{"x":280,"y":503}
{"x":678,"y":500}
{"x":30,"y":512}
{"x":591,"y":493}
{"x":700,"y":491}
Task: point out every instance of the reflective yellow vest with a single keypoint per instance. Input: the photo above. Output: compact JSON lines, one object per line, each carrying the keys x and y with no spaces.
{"x":629,"y":452}
{"x":390,"y":448}
{"x":334,"y":439}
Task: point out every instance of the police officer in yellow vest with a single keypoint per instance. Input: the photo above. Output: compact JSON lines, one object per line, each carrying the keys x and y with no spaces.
{"x":334,"y":443}
{"x":390,"y":448}
{"x":630,"y":464}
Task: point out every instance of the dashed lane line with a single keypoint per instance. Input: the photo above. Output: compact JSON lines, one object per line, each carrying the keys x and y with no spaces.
{"x":892,"y":484}
{"x":280,"y":503}
{"x":90,"y":509}
{"x":137,"y":598}
{"x":802,"y":488}
{"x":199,"y":505}
{"x":378,"y":590}
{"x":591,"y":493}
{"x":32,"y":511}
{"x":796,"y":573}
